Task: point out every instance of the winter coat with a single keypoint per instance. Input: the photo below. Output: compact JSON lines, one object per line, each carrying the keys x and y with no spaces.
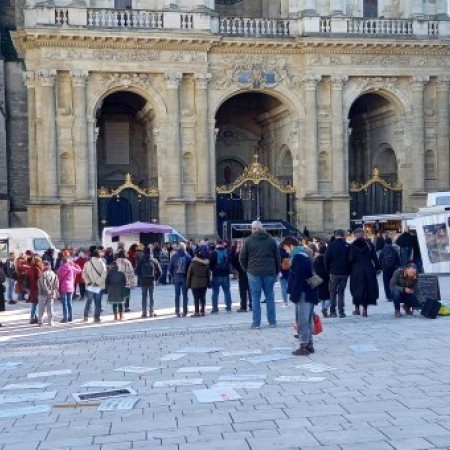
{"x":80,"y":262}
{"x":364,"y":265}
{"x":115,"y":286}
{"x":217,"y":269}
{"x":284,"y":255}
{"x":48,"y":285}
{"x":32,"y":279}
{"x":236,"y":264}
{"x":399,"y":282}
{"x":125,"y":267}
{"x":323,"y":290}
{"x":9,"y":269}
{"x":94,"y":272}
{"x":175,"y":262}
{"x":301,"y":269}
{"x":199,"y":274}
{"x":336,"y":257}
{"x":22,"y":267}
{"x":389,"y":251}
{"x":260,"y":256}
{"x":164,"y":259}
{"x":405,"y":240}
{"x":66,"y":277}
{"x":145,"y":281}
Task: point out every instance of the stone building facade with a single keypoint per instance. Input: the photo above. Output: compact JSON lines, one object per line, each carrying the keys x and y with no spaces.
{"x":184,"y":95}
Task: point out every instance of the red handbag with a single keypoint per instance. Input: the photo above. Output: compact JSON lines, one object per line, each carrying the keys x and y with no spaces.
{"x":317,"y":324}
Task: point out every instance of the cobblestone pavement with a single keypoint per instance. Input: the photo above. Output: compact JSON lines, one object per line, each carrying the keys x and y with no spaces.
{"x":385,"y":384}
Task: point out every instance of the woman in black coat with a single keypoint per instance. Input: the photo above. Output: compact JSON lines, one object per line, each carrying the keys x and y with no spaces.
{"x":364,"y":266}
{"x":323,"y":290}
{"x":115,"y":286}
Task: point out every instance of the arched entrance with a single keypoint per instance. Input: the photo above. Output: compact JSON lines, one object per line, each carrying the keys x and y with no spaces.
{"x":253,"y":128}
{"x":373,"y":167}
{"x":127,"y":171}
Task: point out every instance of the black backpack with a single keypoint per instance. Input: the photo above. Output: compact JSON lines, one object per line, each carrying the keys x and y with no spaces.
{"x":390,"y":259}
{"x":430,"y":308}
{"x":147,"y":269}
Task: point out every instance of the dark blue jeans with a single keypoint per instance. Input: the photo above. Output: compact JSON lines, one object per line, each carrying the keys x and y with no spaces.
{"x":387,"y":275}
{"x":180,"y":289}
{"x":97,"y":299}
{"x":216,"y":284}
{"x":399,"y":297}
{"x":259,"y":284}
{"x":147,"y":291}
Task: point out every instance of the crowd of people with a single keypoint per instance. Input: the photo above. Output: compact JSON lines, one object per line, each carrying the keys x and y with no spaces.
{"x":257,"y":263}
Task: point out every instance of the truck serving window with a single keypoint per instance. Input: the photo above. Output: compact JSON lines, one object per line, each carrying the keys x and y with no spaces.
{"x":41,"y":244}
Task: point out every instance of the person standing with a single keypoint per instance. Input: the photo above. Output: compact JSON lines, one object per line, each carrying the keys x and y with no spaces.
{"x":2,"y":288}
{"x":164,"y":261}
{"x":337,"y":265}
{"x":67,"y":272}
{"x":323,"y":290}
{"x":198,"y":279}
{"x":179,"y":265}
{"x":390,"y":262}
{"x":364,"y":265}
{"x":33,"y":272}
{"x":80,"y":262}
{"x":220,"y":268}
{"x":244,"y":288}
{"x":406,"y":243}
{"x":260,"y":259}
{"x":115,"y":288}
{"x":9,"y":269}
{"x":94,"y":275}
{"x":148,"y":272}
{"x":301,"y":294}
{"x":48,"y":289}
{"x":124,"y":266}
{"x":284,"y":275}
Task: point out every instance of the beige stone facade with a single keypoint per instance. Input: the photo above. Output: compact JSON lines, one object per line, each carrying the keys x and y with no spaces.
{"x":319,"y":94}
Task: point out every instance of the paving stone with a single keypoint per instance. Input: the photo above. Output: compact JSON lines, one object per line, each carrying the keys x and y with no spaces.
{"x":367,"y":446}
{"x":412,"y":444}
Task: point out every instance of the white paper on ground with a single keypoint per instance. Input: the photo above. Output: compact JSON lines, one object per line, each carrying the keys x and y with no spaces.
{"x":113,"y":404}
{"x":316,"y":368}
{"x":249,"y":377}
{"x":281,"y":349}
{"x":102,"y":394}
{"x":297,"y":379}
{"x":266,"y":358}
{"x":27,"y":397}
{"x":240,"y":384}
{"x":15,"y":412}
{"x":106,"y":384}
{"x":242,"y":353}
{"x":198,"y":350}
{"x":10,"y":365}
{"x":216,"y":395}
{"x":199,"y":369}
{"x":11,"y":387}
{"x":49,"y":374}
{"x":182,"y":382}
{"x":364,"y":348}
{"x":172,"y":356}
{"x":136,"y":369}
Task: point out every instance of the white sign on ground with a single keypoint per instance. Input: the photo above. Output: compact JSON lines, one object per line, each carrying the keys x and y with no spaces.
{"x":52,"y":373}
{"x":240,"y":384}
{"x":172,"y":356}
{"x":266,"y":358}
{"x":242,"y":353}
{"x":364,"y":348}
{"x":10,"y":365}
{"x":182,"y":382}
{"x":198,"y":350}
{"x":298,"y":379}
{"x":106,"y":384}
{"x":197,"y":369}
{"x":114,"y":404}
{"x":11,"y":387}
{"x":221,"y":394}
{"x":136,"y":369}
{"x":27,"y":397}
{"x":17,"y":412}
{"x":248,"y":377}
{"x":316,"y":368}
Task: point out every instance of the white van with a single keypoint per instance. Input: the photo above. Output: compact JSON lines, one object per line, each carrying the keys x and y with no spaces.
{"x":19,"y":240}
{"x":143,"y":238}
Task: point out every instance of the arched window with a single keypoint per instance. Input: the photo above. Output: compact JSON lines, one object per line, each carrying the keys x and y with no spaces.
{"x":370,"y":8}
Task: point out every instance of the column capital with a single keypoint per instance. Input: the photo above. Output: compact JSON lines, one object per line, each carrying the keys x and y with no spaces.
{"x":310,"y":81}
{"x":202,"y":80}
{"x":29,"y":79}
{"x":173,"y":79}
{"x":419,"y":81}
{"x":47,"y":77}
{"x":338,"y":81}
{"x":79,"y":77}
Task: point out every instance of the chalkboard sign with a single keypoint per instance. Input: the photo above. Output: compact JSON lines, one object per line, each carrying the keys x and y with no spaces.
{"x":429,"y":286}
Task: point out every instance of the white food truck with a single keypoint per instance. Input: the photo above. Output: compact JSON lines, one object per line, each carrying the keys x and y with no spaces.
{"x":19,"y":240}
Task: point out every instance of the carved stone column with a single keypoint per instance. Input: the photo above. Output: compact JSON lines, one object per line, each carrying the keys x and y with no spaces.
{"x":202,"y":135}
{"x":310,"y":83}
{"x":174,"y":146}
{"x":337,"y":135}
{"x":46,"y":130}
{"x":80,"y":143}
{"x":92,"y":135}
{"x":30,"y":83}
{"x":418,"y":132}
{"x":443,"y":150}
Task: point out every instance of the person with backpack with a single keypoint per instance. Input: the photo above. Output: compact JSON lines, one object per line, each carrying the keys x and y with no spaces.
{"x":148,"y":272}
{"x":220,"y":268}
{"x":390,"y":262}
{"x":198,"y":279}
{"x":9,"y":269}
{"x":48,"y":289}
{"x":178,"y":268}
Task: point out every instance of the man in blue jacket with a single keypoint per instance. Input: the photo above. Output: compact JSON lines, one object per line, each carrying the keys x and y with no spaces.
{"x":178,"y":268}
{"x":220,"y":267}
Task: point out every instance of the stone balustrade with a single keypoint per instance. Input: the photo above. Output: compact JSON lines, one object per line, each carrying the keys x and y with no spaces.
{"x":102,"y":18}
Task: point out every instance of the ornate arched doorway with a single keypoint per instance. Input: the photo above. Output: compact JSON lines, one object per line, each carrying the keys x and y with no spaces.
{"x":127,"y":170}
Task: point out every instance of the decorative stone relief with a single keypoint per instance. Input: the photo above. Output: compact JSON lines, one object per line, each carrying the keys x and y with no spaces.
{"x":127,"y":79}
{"x":419,"y":81}
{"x":187,"y":113}
{"x":79,"y":77}
{"x":338,"y":81}
{"x":380,"y":60}
{"x":173,"y":79}
{"x":46,"y":77}
{"x":376,"y":83}
{"x":310,"y":81}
